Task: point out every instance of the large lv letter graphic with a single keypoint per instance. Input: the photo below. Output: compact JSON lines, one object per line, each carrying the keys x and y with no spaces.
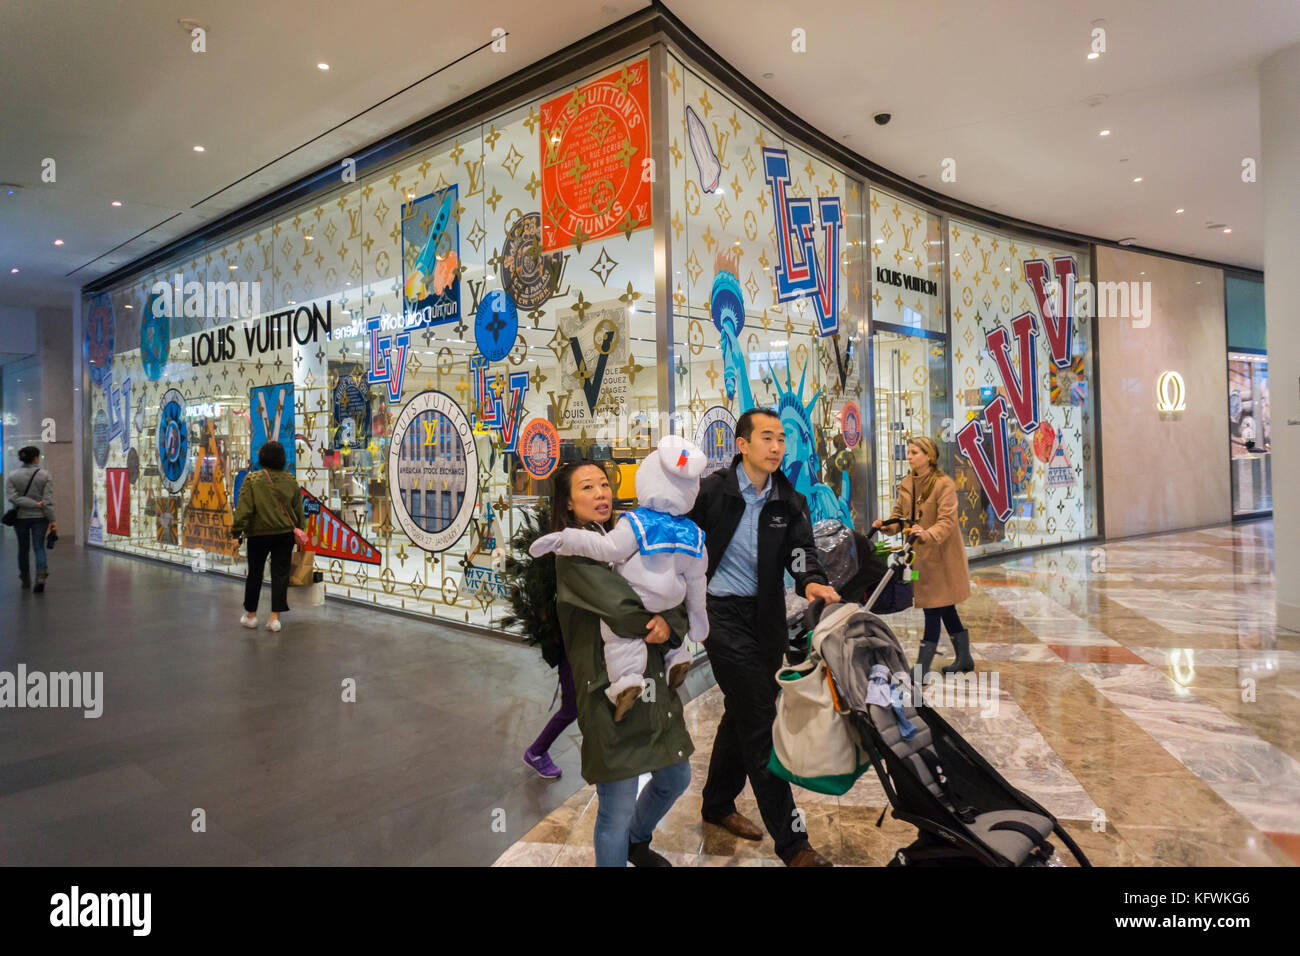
{"x":387,"y":359}
{"x":1059,"y":327}
{"x":1022,"y":388}
{"x":488,"y":409}
{"x":799,"y":270}
{"x":994,"y":476}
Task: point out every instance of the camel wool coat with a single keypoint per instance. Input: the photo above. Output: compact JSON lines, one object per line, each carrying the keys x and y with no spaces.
{"x":943,"y":577}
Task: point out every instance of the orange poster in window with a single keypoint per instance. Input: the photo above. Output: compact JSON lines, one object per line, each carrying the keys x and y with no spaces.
{"x":595,"y":140}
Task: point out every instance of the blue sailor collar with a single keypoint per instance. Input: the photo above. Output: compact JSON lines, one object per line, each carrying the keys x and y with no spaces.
{"x":658,"y":532}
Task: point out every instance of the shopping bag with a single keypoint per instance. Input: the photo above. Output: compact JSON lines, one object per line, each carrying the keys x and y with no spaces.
{"x":813,"y":743}
{"x":301,"y":566}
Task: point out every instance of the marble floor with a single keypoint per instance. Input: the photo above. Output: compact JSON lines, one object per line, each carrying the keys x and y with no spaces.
{"x":1144,"y":695}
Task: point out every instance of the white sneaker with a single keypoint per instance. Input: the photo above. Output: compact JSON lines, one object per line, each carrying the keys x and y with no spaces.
{"x":248,"y":620}
{"x":273,"y":625}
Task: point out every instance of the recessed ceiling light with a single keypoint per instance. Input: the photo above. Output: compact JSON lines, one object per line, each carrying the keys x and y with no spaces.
{"x":1137,"y":179}
{"x":128,"y":306}
{"x":117,"y":202}
{"x":1094,"y":55}
{"x":12,"y":271}
{"x":1227,"y":229}
{"x":1006,"y":268}
{"x":198,"y":149}
{"x":1141,"y":273}
{"x":1104,"y":132}
{"x":322,"y":66}
{"x":1178,"y":212}
{"x":58,"y":242}
{"x":308,"y":238}
{"x":233,"y":267}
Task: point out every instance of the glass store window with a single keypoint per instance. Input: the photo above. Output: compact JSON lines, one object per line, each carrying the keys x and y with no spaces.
{"x":428,"y":343}
{"x":757,"y":321}
{"x":1250,"y":433}
{"x":1023,"y":460}
{"x":909,"y":341}
{"x":1249,"y":425}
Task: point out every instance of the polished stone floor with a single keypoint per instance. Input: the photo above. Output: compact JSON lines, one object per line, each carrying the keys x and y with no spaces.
{"x":251,"y":728}
{"x":1144,"y":695}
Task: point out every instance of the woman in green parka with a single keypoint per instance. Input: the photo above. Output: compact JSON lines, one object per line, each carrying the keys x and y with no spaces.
{"x":652,"y":738}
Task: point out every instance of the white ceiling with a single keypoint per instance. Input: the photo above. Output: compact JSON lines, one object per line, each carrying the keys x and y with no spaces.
{"x":114,"y":94}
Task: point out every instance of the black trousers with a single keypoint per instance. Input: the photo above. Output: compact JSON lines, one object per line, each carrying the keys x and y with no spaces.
{"x":933,"y":615}
{"x":745,"y":668}
{"x":280,"y":548}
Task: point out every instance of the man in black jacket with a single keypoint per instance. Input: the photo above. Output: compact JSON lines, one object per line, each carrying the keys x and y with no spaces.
{"x":755,"y":527}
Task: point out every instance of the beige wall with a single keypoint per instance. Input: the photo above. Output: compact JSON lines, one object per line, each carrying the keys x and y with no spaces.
{"x":1163,"y":471}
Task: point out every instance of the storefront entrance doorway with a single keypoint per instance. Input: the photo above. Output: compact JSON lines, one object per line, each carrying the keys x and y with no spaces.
{"x":911,"y":379}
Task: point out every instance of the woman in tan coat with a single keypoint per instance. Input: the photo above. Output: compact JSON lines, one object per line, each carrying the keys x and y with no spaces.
{"x":927,"y":499}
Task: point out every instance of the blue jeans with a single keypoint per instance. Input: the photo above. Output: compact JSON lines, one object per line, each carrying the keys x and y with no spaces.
{"x":33,"y":530}
{"x":623,"y":817}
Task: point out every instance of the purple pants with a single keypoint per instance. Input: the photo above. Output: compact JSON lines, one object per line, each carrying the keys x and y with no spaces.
{"x":566,"y":715}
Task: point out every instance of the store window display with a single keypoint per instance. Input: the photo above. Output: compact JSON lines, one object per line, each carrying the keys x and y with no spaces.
{"x":766,"y":312}
{"x":1021,"y":352}
{"x":431,"y":341}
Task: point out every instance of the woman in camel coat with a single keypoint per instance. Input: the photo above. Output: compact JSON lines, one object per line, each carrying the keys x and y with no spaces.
{"x":943,"y":578}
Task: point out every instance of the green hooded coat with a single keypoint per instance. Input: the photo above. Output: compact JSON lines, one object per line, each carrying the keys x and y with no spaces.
{"x":653,"y":735}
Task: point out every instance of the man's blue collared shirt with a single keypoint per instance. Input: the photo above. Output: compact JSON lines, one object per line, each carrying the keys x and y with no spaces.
{"x":737,"y":572}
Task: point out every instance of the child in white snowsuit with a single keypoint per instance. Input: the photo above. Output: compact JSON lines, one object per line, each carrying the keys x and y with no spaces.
{"x":660,"y":553}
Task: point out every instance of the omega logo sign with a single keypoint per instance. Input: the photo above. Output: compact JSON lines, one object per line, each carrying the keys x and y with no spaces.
{"x":1171,"y":393}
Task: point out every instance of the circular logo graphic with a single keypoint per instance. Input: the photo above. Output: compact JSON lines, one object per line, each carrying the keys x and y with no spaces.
{"x":99,"y":438}
{"x":716,"y":436}
{"x":851,"y":424}
{"x":1044,"y":441}
{"x":132,"y":466}
{"x":539,"y":448}
{"x":173,"y":441}
{"x":433,"y":471}
{"x":593,"y":140}
{"x":496,"y":325}
{"x":98,"y":345}
{"x":155,"y":337}
{"x":528,"y":275}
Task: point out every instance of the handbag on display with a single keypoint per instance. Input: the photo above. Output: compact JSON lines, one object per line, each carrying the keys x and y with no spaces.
{"x":11,"y":516}
{"x":301,"y":569}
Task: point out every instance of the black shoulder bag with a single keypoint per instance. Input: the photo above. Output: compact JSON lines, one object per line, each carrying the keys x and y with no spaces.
{"x":11,"y":516}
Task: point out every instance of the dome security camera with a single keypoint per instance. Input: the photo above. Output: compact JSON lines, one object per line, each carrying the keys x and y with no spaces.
{"x":882,"y":118}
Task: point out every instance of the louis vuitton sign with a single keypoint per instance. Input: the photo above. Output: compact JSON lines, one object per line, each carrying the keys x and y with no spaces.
{"x":910,"y":283}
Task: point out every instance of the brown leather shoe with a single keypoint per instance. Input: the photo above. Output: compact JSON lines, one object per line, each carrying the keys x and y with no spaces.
{"x":739,"y":825}
{"x":808,"y":857}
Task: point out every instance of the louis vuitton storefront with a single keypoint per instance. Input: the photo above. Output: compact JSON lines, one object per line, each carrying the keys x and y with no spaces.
{"x":623,"y":243}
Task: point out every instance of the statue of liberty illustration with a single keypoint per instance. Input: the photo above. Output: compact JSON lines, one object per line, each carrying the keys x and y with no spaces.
{"x":801,"y":466}
{"x":727,"y":307}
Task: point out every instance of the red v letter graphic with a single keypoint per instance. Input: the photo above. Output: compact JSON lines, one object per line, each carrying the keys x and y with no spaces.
{"x":1022,"y":388}
{"x":1059,"y":328}
{"x":995,"y":476}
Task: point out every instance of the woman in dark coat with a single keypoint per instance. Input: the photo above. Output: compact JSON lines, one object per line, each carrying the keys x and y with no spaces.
{"x":652,"y":738}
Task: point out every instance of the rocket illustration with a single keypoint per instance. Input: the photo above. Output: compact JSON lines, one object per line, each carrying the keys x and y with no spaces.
{"x":702,"y":149}
{"x":418,"y":281}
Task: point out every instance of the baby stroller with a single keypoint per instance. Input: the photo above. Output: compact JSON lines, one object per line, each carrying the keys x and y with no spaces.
{"x":855,"y":570}
{"x":967,"y":814}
